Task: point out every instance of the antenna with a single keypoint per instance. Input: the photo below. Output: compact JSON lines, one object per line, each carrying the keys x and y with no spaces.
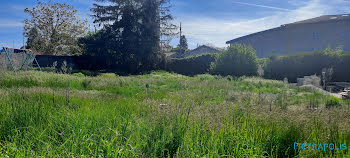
{"x":180,"y":29}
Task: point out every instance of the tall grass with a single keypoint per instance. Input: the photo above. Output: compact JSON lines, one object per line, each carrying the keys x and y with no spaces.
{"x":163,"y":115}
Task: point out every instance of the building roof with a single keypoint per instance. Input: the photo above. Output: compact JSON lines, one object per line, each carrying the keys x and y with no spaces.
{"x":253,"y":34}
{"x":198,"y":51}
{"x":325,"y":18}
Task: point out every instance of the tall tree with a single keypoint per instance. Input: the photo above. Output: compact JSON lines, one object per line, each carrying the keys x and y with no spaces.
{"x":53,"y":28}
{"x":137,"y":27}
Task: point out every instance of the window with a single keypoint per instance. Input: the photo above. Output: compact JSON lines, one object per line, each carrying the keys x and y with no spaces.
{"x":315,"y":36}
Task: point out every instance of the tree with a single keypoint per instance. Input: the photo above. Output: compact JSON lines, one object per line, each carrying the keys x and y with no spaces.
{"x":183,"y":46}
{"x":53,"y":28}
{"x":136,"y":26}
{"x":237,"y":60}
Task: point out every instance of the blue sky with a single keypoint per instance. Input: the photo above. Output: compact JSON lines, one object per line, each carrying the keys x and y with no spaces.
{"x":204,"y":21}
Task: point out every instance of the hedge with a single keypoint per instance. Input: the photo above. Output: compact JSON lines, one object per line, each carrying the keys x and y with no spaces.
{"x":191,"y":65}
{"x":305,"y":64}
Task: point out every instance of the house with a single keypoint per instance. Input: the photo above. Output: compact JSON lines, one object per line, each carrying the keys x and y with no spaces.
{"x":302,"y":36}
{"x":198,"y":51}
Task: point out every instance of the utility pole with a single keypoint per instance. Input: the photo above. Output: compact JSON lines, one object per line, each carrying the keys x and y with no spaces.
{"x":180,"y":29}
{"x":180,"y":37}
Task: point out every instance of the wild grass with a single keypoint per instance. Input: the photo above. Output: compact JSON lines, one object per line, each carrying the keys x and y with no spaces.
{"x":164,"y":115}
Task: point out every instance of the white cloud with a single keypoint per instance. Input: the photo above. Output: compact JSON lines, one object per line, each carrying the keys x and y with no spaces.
{"x":85,"y":2}
{"x":202,"y":30}
{"x":261,"y":6}
{"x":10,"y":23}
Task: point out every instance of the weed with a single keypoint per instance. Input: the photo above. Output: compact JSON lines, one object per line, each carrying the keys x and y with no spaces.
{"x":332,"y":102}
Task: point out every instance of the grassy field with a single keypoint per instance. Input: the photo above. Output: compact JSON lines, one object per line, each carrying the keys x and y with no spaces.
{"x":164,"y":115}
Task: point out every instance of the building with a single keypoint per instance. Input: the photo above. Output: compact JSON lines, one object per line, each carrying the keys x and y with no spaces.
{"x":198,"y":51}
{"x":302,"y":36}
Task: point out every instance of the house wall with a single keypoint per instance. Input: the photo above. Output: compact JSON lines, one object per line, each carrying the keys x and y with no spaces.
{"x":267,"y":42}
{"x":310,"y":37}
{"x":297,"y":38}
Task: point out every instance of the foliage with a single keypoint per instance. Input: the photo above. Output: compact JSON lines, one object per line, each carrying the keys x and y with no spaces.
{"x":182,"y":47}
{"x":131,"y":33}
{"x":306,"y":64}
{"x":108,"y":75}
{"x":237,"y":60}
{"x":332,"y":102}
{"x":53,"y":28}
{"x":79,"y":74}
{"x":340,"y":70}
{"x":193,"y":65}
{"x":183,"y":43}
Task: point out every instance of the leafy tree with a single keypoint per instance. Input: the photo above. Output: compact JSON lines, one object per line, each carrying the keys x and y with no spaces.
{"x":237,"y":60}
{"x":53,"y":28}
{"x":135,"y":27}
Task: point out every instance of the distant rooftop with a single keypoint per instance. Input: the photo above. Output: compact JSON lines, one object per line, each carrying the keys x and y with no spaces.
{"x":325,"y":18}
{"x":202,"y":50}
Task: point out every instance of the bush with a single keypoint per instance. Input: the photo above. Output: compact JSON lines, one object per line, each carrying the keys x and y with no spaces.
{"x":79,"y":74}
{"x":238,"y":60}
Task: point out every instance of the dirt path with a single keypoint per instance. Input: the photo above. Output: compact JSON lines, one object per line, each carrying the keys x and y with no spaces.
{"x":323,"y":91}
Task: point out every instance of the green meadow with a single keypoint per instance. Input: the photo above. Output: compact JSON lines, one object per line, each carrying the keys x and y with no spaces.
{"x":163,"y":114}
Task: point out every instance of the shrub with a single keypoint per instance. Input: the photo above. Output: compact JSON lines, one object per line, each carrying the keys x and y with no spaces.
{"x":79,"y":74}
{"x":237,"y":60}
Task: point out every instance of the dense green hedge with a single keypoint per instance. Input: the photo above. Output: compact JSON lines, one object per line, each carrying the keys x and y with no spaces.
{"x":237,"y":60}
{"x":192,"y":65}
{"x":275,"y":67}
{"x":342,"y":69}
{"x":305,"y":64}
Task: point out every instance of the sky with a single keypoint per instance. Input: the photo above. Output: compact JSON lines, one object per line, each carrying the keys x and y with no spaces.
{"x":203,"y":21}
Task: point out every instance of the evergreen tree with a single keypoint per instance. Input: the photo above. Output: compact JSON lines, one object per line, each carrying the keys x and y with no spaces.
{"x":136,"y":27}
{"x":183,"y":46}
